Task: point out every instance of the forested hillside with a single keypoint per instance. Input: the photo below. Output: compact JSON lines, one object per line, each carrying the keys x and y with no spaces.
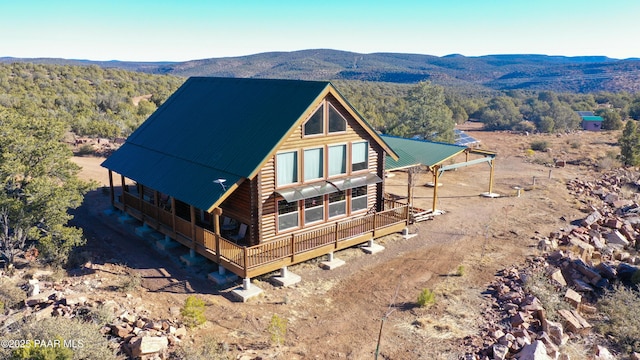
{"x":88,"y":100}
{"x":93,"y":101}
{"x":581,"y":74}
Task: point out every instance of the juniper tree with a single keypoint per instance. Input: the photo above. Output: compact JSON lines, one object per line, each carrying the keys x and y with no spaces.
{"x":39,"y":186}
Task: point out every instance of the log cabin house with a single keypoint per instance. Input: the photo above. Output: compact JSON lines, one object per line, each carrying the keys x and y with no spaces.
{"x":257,"y":174}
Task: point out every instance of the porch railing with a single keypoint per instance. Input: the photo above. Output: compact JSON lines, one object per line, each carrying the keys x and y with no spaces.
{"x":287,"y":249}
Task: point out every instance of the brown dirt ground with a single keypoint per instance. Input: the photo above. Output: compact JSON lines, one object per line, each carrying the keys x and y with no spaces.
{"x":337,"y":314}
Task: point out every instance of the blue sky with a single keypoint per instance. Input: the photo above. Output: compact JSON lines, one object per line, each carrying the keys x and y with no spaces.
{"x":168,"y":30}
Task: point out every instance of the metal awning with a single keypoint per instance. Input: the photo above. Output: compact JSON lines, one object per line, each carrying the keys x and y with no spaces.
{"x":307,"y":191}
{"x":356,"y":181}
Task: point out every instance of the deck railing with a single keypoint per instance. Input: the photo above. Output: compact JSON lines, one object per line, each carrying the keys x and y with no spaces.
{"x":286,"y":249}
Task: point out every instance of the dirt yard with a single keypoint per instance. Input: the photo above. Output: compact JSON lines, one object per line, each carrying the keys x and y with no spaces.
{"x":338,"y":314}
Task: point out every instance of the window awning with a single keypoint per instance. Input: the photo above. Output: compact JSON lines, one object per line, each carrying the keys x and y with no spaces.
{"x":307,"y":191}
{"x":356,"y":181}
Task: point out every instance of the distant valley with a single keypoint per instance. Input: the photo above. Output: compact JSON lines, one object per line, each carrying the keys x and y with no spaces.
{"x":581,"y":74}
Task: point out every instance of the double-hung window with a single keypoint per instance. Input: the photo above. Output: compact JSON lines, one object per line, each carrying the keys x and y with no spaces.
{"x":287,"y":215}
{"x":314,"y":209}
{"x":287,"y":168}
{"x":359,"y":198}
{"x":337,"y":204}
{"x":359,"y":155}
{"x":337,"y":160}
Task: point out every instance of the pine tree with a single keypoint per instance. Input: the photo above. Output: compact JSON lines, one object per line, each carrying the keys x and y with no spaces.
{"x":630,"y":144}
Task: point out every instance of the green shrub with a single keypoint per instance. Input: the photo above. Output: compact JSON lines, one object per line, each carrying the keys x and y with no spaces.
{"x":102,"y":314}
{"x":426,"y":298}
{"x":277,"y":329}
{"x":539,"y":145}
{"x":539,"y":286}
{"x":11,"y":296}
{"x":86,"y":149}
{"x":80,"y":340}
{"x":207,"y":348}
{"x":460,"y":270}
{"x":36,"y":352}
{"x":193,"y":312}
{"x":621,"y":320}
{"x":132,"y":281}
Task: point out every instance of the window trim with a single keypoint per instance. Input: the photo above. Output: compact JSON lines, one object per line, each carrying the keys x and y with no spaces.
{"x":346,"y":160}
{"x":297,"y":168}
{"x":322,"y":109}
{"x":328,"y":130}
{"x":278,"y":215}
{"x":366,"y":196}
{"x":346,"y":209}
{"x":366,"y":156}
{"x":323,"y":206}
{"x":323,"y":158}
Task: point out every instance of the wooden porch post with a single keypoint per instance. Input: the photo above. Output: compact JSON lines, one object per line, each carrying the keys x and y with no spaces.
{"x":124,"y":202}
{"x":156,"y":201}
{"x":141,"y":200}
{"x":173,"y":215}
{"x":491,"y":177}
{"x":112,"y":195}
{"x":410,"y":186}
{"x":436,"y":173}
{"x":193,"y":226}
{"x":216,"y":229}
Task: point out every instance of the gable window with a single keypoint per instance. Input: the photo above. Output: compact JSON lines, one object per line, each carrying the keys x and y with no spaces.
{"x":359,"y":198}
{"x":359,"y":156}
{"x":287,"y":168}
{"x":287,"y":215}
{"x":337,"y":204}
{"x":337,"y":123}
{"x":337,"y":160}
{"x":315,"y":124}
{"x":313,"y":209}
{"x":313,"y":164}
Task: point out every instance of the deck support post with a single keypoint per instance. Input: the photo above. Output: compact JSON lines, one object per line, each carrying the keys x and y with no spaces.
{"x":330,"y":256}
{"x":221,"y":270}
{"x":141,"y":200}
{"x":283,"y":272}
{"x":216,"y":229}
{"x":436,"y":173}
{"x":173,"y":215}
{"x":124,"y":202}
{"x":192,"y":211}
{"x":491,"y":177}
{"x":112,"y":195}
{"x":246,"y":284}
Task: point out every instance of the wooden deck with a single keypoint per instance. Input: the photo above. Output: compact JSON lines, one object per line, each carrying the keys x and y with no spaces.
{"x":271,"y":254}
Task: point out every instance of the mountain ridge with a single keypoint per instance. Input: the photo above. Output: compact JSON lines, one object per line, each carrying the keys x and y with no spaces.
{"x":580,"y":74}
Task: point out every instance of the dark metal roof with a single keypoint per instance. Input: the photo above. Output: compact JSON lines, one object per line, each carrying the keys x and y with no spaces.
{"x":218,"y":128}
{"x":423,"y":152}
{"x":212,"y":128}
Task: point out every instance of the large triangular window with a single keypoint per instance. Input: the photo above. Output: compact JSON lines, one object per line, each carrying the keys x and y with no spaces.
{"x":315,"y":124}
{"x":337,"y":123}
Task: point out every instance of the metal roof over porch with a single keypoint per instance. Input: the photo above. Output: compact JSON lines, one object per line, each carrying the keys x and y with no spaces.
{"x":412,"y":152}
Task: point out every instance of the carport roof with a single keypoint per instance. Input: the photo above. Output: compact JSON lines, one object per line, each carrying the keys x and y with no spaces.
{"x":413,"y":152}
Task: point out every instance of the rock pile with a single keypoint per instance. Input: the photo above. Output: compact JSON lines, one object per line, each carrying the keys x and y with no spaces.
{"x":128,"y":332}
{"x":579,"y":262}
